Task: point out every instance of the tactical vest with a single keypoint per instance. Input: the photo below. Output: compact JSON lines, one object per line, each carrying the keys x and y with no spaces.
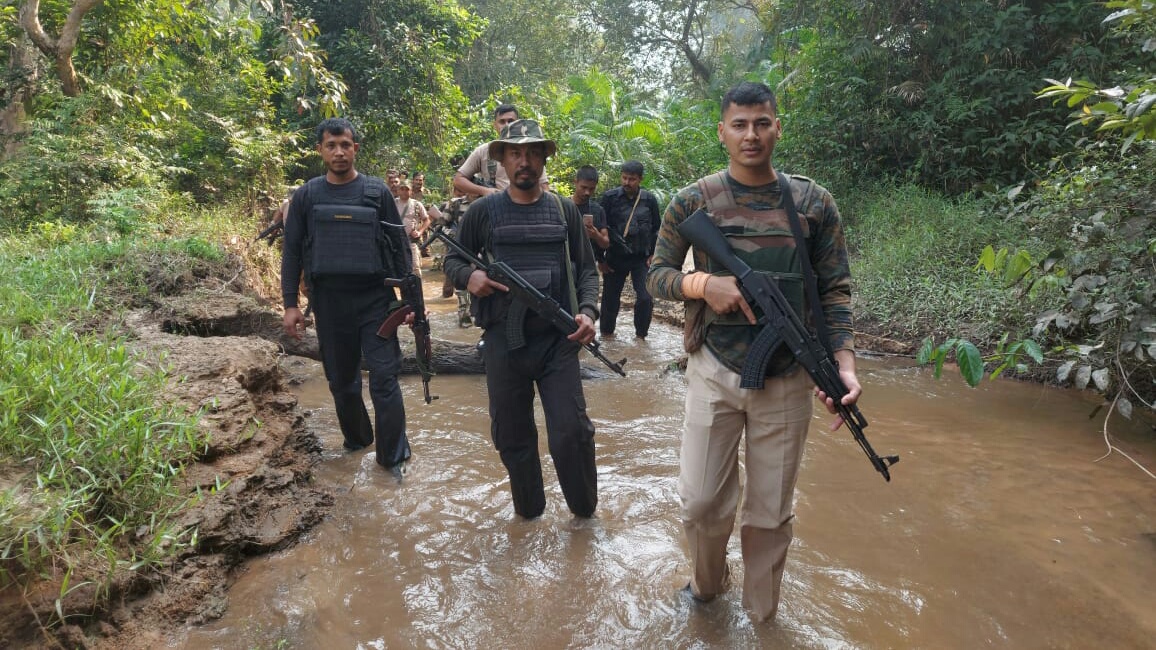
{"x":346,"y":238}
{"x":763,"y":239}
{"x":634,"y":223}
{"x":532,"y":241}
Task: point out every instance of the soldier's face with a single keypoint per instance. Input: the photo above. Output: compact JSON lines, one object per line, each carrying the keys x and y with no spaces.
{"x":338,"y":152}
{"x":631,"y":183}
{"x":749,"y":134}
{"x":583,"y":190}
{"x":503,"y":119}
{"x":524,"y":164}
{"x":418,"y":182}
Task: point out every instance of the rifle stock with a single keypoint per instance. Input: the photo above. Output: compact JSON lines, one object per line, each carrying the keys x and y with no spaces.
{"x":782,"y":326}
{"x":540,"y":303}
{"x":270,"y":232}
{"x":414,"y":299}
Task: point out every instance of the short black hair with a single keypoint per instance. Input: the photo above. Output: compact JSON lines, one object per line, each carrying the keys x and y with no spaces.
{"x":506,"y":108}
{"x":336,"y":126}
{"x":586,"y":173}
{"x":749,"y":93}
{"x":632,"y":167}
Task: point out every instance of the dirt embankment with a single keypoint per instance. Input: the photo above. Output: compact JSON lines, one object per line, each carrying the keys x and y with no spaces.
{"x":223,"y":346}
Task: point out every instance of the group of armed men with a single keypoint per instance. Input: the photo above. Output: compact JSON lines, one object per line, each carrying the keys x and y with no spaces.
{"x":345,"y":232}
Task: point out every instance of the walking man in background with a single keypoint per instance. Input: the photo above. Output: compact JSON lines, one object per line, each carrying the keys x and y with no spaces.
{"x":344,"y":231}
{"x":632,"y":214}
{"x":415,"y":219}
{"x":481,"y":166}
{"x":593,"y":217}
{"x":746,"y":201}
{"x":541,"y":237}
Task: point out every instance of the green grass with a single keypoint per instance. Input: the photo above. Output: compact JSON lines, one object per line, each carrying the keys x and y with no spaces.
{"x":92,"y":452}
{"x":912,"y":258}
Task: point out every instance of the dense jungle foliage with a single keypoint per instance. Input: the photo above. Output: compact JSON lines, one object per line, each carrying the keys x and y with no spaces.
{"x":993,"y":160}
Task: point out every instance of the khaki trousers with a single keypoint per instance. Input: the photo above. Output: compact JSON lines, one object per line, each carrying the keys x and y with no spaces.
{"x":775,"y":421}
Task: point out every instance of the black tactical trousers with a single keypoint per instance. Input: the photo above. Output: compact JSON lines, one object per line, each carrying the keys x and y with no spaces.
{"x":348,"y":315}
{"x":612,"y":284}
{"x":551,"y":361}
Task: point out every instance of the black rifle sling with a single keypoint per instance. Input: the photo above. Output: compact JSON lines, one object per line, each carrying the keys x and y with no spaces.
{"x":809,"y":279}
{"x":769,"y":338}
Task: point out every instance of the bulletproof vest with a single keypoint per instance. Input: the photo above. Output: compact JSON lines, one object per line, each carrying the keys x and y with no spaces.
{"x":635,"y":229}
{"x":531,"y":240}
{"x":346,"y":238}
{"x":763,"y":239}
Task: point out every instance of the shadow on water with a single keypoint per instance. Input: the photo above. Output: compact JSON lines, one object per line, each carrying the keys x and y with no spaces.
{"x":997,"y":530}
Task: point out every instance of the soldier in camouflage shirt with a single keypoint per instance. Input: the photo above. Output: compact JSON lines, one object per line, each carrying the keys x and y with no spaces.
{"x":746,"y":203}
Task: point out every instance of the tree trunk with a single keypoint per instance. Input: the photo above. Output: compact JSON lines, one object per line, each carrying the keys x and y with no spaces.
{"x":23,"y":71}
{"x":59,"y":49}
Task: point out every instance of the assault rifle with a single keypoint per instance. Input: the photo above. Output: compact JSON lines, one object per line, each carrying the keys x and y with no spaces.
{"x":433,"y":235}
{"x":414,"y":299}
{"x":270,"y":232}
{"x":617,"y":241}
{"x":540,"y":303}
{"x":782,"y":326}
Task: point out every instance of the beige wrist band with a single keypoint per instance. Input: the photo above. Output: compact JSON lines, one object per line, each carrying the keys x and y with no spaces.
{"x":694,"y":285}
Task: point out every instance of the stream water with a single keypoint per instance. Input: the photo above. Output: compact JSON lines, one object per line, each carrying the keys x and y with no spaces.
{"x":998,"y":529}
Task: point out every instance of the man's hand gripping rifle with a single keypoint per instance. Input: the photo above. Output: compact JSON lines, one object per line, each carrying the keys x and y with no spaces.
{"x":540,"y":303}
{"x":782,"y":325}
{"x":414,"y":303}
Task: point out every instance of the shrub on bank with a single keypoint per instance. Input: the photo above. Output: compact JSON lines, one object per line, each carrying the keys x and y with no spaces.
{"x":91,"y":451}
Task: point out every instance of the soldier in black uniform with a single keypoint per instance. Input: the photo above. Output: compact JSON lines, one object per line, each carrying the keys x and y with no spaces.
{"x":632,"y":217}
{"x":344,"y":231}
{"x":541,"y":237}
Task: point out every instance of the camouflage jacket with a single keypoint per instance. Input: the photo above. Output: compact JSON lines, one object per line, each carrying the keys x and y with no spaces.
{"x":828,"y":254}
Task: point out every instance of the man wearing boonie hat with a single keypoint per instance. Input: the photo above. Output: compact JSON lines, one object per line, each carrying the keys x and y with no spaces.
{"x":481,"y":174}
{"x":540,"y":236}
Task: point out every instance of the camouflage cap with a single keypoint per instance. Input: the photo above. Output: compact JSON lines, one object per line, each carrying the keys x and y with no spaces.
{"x":521,"y":132}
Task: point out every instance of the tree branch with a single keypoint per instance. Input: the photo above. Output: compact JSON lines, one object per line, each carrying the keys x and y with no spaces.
{"x":30,"y":21}
{"x":59,"y":50}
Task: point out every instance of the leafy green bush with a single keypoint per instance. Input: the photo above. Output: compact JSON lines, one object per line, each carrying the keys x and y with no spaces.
{"x":64,"y":162}
{"x":1095,"y":214}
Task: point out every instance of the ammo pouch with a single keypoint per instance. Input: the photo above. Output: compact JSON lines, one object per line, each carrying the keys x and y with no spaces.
{"x":345,"y":240}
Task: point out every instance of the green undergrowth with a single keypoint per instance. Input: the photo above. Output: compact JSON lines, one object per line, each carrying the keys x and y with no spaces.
{"x":913,"y":257}
{"x":91,"y":451}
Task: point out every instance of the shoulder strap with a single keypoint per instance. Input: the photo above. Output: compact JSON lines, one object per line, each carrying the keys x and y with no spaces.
{"x":809,"y":279}
{"x":572,"y":290}
{"x":373,"y":191}
{"x":626,"y":228}
{"x":716,"y":192}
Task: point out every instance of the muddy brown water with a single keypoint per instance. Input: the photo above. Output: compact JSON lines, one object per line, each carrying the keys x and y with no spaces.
{"x":998,"y":529}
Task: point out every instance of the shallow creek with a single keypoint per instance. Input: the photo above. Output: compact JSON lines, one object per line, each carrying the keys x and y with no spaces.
{"x":998,"y":529}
